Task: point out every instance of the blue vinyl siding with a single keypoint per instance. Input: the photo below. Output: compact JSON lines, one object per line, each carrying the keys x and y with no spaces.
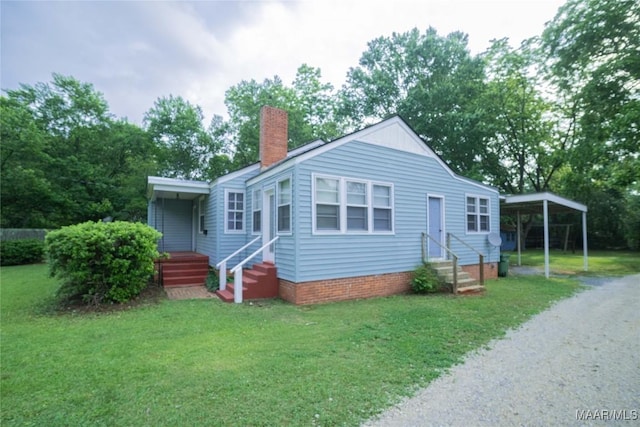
{"x":227,"y":243}
{"x":205,"y":244}
{"x":413,"y":177}
{"x":285,"y":252}
{"x":173,"y":219}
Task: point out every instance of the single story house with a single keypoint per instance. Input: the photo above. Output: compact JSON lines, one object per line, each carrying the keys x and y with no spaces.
{"x":349,"y":218}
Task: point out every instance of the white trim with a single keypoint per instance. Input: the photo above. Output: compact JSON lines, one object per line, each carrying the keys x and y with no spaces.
{"x":231,"y":175}
{"x":277,"y":201}
{"x":255,"y":209}
{"x":343,"y":204}
{"x":157,"y":184}
{"x":268,"y":252}
{"x":227,"y":191}
{"x":478,"y":214}
{"x":443,"y":223}
{"x":202,"y":212}
{"x":550,"y":197}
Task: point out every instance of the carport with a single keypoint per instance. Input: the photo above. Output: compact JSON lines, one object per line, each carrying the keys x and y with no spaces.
{"x":546,"y":204}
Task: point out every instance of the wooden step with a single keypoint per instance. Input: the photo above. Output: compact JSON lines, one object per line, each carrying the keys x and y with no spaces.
{"x":197,"y":280}
{"x":184,"y":269}
{"x":228,"y":294}
{"x":225,"y":295}
{"x":261,"y":281}
{"x":470,"y":289}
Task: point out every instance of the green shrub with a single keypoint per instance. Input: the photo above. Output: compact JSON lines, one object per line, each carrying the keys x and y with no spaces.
{"x":425,"y":280}
{"x":213,"y":280}
{"x":18,"y":252}
{"x":102,"y":262}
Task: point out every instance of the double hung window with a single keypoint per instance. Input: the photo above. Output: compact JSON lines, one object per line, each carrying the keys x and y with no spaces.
{"x":345,"y":205}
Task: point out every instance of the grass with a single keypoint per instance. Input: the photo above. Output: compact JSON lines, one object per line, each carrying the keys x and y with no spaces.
{"x":600,"y":263}
{"x":204,"y":362}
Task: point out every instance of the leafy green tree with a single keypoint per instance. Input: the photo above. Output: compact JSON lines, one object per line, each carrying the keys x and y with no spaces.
{"x":24,"y":181}
{"x":526,"y":139}
{"x":176,"y":127}
{"x":592,"y":49}
{"x":308,"y":103}
{"x":65,"y":159}
{"x":220,"y":163}
{"x":432,"y":81}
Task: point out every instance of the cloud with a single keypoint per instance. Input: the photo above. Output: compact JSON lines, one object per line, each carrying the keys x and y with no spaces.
{"x":135,"y":52}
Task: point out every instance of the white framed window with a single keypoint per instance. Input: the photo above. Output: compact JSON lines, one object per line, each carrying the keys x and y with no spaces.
{"x":357,"y":205}
{"x":478,"y":214}
{"x":201,"y":213}
{"x":382,"y":208}
{"x":327,"y":203}
{"x":284,"y":206}
{"x":256,"y":211}
{"x":234,"y":211}
{"x":347,"y":205}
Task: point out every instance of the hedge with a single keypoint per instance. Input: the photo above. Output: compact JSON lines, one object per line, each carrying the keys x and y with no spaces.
{"x":102,"y":262}
{"x":18,"y":252}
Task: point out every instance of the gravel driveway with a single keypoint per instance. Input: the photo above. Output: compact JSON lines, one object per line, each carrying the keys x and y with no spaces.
{"x":576,"y":364}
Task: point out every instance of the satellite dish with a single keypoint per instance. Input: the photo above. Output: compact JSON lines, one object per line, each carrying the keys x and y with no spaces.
{"x":494,"y":239}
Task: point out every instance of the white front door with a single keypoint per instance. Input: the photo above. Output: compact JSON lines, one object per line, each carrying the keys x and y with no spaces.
{"x":268,"y":224}
{"x":435,"y":226}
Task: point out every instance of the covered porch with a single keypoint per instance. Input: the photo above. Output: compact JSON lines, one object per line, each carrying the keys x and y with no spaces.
{"x":176,"y":209}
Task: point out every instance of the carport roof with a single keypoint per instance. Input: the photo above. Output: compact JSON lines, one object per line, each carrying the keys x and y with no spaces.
{"x":546,"y":204}
{"x":533,"y":203}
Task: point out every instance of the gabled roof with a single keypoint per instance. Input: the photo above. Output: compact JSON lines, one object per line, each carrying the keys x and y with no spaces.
{"x":392,"y":133}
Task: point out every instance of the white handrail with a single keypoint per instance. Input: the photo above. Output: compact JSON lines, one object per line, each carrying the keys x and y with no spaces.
{"x":247,"y":259}
{"x":222,"y":265}
{"x":237,"y":272}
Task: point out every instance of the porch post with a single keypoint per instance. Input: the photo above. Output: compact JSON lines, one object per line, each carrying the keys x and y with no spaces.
{"x":222,"y":276}
{"x":237,"y":285}
{"x":545,"y":214}
{"x":518,"y":233}
{"x":584,"y":241}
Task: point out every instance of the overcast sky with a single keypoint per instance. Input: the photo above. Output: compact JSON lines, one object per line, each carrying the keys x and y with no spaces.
{"x":136,"y":51}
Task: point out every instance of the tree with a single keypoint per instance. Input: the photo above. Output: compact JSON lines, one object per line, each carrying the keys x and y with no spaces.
{"x":176,"y":126}
{"x":24,"y":182}
{"x":432,"y":81}
{"x":65,"y":159}
{"x":526,"y":139}
{"x":592,"y":50}
{"x":308,"y":103}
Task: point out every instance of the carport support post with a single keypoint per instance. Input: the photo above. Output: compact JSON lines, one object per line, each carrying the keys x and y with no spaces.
{"x":545,"y":215}
{"x":519,"y":233}
{"x":584,"y":241}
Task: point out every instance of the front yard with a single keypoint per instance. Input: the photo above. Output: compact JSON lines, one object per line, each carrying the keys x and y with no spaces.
{"x":203,"y":362}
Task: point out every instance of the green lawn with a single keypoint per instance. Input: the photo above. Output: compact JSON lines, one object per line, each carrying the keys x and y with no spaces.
{"x":601,"y":263}
{"x":203,"y":362}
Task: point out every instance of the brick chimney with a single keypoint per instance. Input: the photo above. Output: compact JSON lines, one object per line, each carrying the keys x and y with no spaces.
{"x":274,"y":137}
